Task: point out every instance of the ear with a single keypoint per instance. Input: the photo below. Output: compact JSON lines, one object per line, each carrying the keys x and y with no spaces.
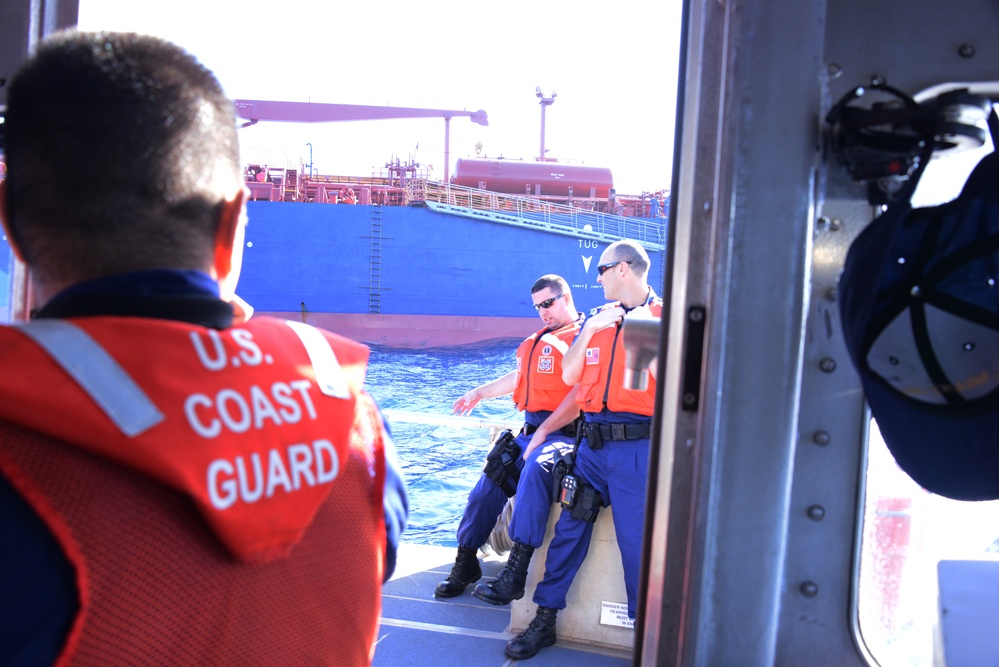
{"x":4,"y":218}
{"x":228,"y":255}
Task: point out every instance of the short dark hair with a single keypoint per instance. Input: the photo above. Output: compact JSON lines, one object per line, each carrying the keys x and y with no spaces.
{"x":633,"y":253}
{"x":121,"y":149}
{"x":556,"y":282}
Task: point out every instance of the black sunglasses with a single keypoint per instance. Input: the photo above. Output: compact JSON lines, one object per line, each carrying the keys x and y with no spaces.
{"x":547,"y":303}
{"x":603,"y":267}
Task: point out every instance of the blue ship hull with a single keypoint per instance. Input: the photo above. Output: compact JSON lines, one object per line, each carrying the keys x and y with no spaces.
{"x":404,"y":276}
{"x":393,"y":269}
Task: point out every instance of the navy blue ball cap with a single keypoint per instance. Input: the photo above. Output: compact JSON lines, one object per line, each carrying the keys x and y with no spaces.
{"x":919,"y":302}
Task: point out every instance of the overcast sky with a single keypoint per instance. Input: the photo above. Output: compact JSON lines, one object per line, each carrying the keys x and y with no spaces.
{"x":612,"y":65}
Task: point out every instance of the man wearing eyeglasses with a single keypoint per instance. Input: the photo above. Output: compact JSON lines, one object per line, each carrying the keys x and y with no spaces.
{"x":524,"y":461}
{"x":613,"y":452}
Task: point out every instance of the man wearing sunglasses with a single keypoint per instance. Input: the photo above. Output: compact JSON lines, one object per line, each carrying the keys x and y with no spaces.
{"x":550,"y":413}
{"x":613,"y":452}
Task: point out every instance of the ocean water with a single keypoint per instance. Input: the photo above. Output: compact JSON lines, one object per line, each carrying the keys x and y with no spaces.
{"x":441,"y":462}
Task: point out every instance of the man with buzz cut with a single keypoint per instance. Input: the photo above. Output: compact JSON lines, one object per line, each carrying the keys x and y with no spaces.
{"x":179,"y":485}
{"x":525,"y":461}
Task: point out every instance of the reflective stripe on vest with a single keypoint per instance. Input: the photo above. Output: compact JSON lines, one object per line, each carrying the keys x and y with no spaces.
{"x":245,"y":432}
{"x":97,"y":373}
{"x":329,"y":375}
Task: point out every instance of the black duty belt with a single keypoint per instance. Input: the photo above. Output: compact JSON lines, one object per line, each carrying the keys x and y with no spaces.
{"x":596,"y":434}
{"x":569,"y":429}
{"x":623,"y":431}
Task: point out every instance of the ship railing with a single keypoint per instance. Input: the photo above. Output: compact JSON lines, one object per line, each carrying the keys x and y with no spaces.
{"x":330,"y":189}
{"x":297,"y":184}
{"x":386,"y":179}
{"x":533,"y":213}
{"x":333,"y":179}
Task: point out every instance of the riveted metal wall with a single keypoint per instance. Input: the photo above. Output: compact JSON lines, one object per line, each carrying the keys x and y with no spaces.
{"x":913,"y":46}
{"x":760,"y":485}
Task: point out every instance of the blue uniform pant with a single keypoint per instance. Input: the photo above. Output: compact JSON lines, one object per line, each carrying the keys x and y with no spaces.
{"x":619,"y":472}
{"x":486,"y":500}
{"x":534,"y":500}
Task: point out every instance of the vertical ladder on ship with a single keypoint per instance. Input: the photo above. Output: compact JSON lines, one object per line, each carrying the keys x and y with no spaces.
{"x":375,"y":276}
{"x":290,"y":185}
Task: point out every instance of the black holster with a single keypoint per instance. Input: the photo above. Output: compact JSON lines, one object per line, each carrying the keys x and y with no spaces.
{"x":569,"y":490}
{"x":593,"y":438}
{"x":501,"y":463}
{"x":561,"y":467}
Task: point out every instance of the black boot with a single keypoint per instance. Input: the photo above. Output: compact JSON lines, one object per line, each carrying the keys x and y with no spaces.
{"x":539,"y":634}
{"x":466,"y":571}
{"x":509,"y":585}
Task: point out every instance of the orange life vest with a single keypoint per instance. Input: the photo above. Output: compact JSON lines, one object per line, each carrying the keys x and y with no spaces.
{"x":219,"y":493}
{"x":539,"y":369}
{"x":602,"y":382}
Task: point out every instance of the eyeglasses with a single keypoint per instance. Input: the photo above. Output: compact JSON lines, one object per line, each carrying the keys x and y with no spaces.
{"x":610,"y":265}
{"x":547,"y":303}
